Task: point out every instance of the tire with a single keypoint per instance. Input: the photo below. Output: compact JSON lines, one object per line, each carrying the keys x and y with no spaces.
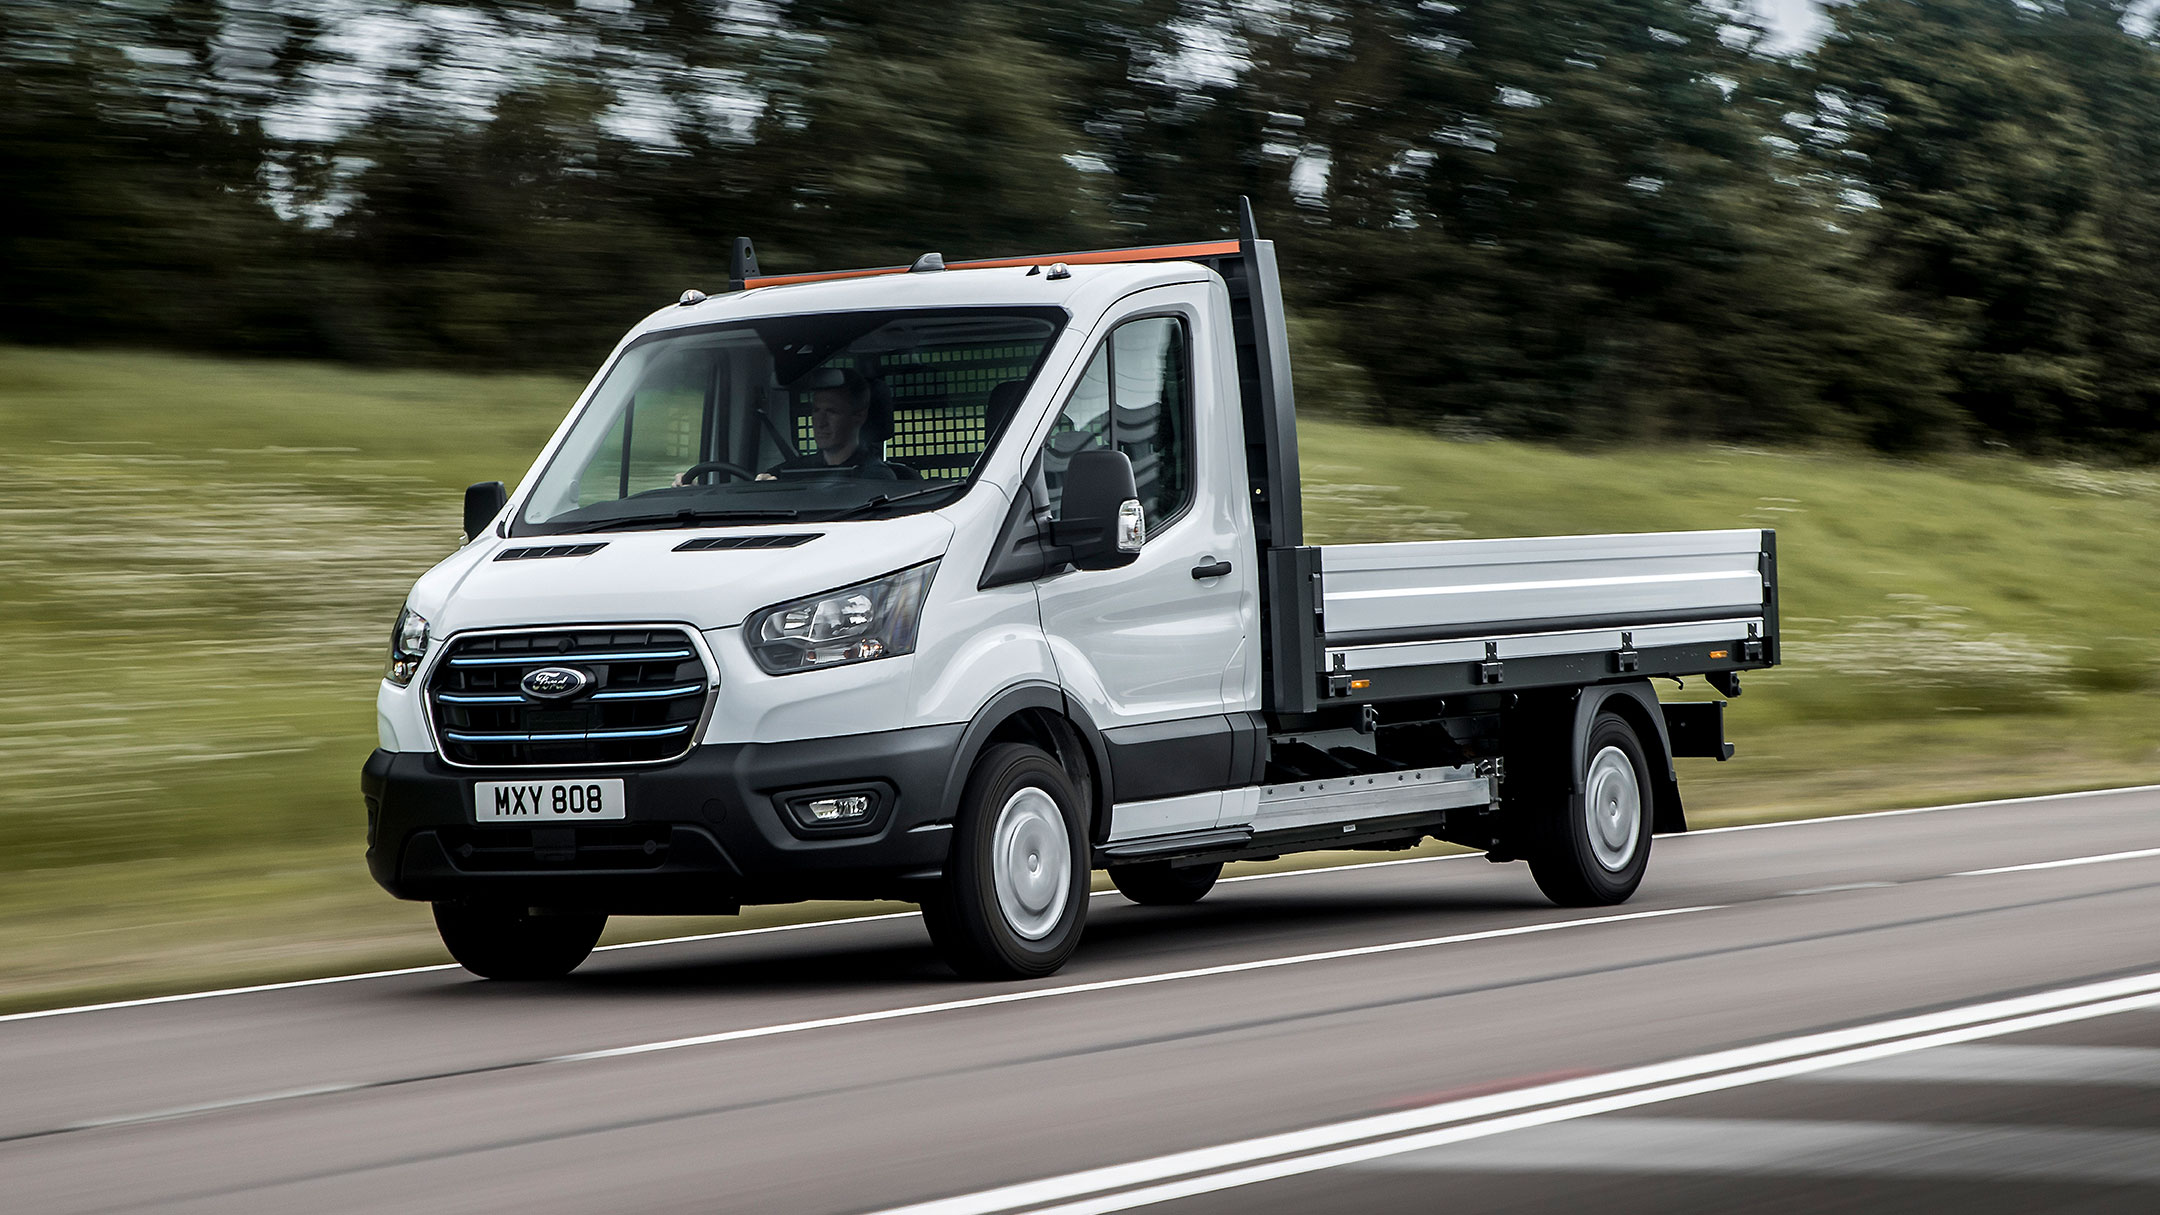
{"x":507,"y":943}
{"x":1156,"y":884}
{"x":1015,"y":893}
{"x":1590,"y":848}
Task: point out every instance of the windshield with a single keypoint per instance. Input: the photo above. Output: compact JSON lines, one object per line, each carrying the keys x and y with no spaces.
{"x":799,"y":417}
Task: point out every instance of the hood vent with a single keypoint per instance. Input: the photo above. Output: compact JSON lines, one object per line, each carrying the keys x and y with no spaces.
{"x":539,"y":551}
{"x":707,"y":543}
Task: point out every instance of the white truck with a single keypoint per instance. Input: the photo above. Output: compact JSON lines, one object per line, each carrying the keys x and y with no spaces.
{"x":951,"y":584}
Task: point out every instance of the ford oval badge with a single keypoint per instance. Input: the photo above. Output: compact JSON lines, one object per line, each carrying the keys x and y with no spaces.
{"x":554,"y":683}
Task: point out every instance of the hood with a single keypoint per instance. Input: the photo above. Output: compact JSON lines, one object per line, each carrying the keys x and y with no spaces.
{"x":641,"y":576}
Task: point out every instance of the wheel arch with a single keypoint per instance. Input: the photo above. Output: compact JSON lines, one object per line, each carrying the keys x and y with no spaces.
{"x":1636,"y":703}
{"x":1040,"y":715}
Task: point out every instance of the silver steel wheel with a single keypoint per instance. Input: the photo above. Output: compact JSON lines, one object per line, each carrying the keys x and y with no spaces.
{"x":1031,"y":863}
{"x":1612,"y":804}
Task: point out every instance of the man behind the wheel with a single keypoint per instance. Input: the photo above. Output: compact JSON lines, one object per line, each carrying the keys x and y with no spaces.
{"x":837,"y":414}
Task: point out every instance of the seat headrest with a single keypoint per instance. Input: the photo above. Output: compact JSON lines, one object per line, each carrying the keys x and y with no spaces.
{"x":878,"y":427}
{"x":1004,"y":400}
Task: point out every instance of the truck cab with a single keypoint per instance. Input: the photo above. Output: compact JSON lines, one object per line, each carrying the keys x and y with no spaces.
{"x":951,"y":585}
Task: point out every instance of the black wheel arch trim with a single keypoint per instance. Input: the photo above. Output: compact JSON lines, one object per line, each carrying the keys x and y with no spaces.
{"x":1637,"y":702}
{"x":1049,"y":699}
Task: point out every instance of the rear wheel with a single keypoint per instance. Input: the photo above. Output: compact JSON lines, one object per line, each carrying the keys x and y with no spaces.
{"x":1014,"y":896}
{"x":1157,"y":884}
{"x":1591,"y":847}
{"x":510,"y":943}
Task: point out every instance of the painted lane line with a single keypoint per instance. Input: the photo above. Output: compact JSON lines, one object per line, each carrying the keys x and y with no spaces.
{"x":1832,"y":1044}
{"x":327,"y":980}
{"x":886,"y":1014}
{"x":2062,"y":864}
{"x":2013,"y":1063}
{"x":1149,"y":980}
{"x":2074,"y":795}
{"x":724,"y":934}
{"x":1618,"y":1145}
{"x":1361,"y":1153}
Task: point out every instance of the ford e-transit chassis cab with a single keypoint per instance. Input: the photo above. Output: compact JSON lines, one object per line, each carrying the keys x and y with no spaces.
{"x":953,"y":584}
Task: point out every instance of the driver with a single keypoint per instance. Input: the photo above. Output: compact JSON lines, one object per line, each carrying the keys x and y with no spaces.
{"x":837,"y":414}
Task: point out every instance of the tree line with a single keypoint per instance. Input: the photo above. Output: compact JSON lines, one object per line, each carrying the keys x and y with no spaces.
{"x":1939,"y":227}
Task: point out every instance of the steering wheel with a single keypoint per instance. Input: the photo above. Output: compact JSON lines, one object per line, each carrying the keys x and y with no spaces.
{"x":695,"y":471}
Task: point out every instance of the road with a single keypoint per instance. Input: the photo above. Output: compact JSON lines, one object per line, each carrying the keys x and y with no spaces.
{"x":1902,"y":1011}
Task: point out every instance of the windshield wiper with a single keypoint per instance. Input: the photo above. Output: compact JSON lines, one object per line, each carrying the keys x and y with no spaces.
{"x":883,"y":500}
{"x":685,"y":517}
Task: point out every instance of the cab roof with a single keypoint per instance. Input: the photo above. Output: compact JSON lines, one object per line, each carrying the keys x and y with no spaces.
{"x":1082,"y":288}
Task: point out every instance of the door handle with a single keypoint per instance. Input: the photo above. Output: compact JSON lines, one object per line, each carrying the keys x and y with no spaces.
{"x":1211,"y":568}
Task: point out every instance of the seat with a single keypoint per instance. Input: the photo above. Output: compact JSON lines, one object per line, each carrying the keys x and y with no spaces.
{"x":1004,"y":401}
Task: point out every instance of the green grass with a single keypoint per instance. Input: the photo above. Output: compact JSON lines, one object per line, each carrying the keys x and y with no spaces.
{"x":199,"y":561}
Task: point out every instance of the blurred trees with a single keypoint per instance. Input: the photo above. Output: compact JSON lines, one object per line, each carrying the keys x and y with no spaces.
{"x":2009,"y":153}
{"x":1593,"y":218}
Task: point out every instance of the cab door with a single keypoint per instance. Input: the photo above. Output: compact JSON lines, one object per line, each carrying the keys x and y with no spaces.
{"x":1160,"y":652}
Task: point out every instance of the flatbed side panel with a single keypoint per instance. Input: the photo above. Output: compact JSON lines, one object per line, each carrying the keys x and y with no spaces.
{"x":1708,"y":634}
{"x":1469,"y":589}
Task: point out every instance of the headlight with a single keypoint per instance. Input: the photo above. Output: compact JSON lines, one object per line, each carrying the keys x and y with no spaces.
{"x":853,"y":624}
{"x":408,"y":641}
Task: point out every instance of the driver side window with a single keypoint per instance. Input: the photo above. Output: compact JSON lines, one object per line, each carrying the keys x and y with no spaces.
{"x":1134,"y":397}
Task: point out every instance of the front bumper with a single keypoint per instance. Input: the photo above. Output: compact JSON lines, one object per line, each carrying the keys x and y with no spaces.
{"x":704,"y":834}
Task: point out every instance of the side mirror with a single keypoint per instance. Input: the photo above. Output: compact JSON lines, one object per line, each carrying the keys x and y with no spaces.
{"x":1100,"y":524}
{"x":482,"y":503}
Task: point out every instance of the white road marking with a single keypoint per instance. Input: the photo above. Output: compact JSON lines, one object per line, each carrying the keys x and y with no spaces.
{"x":1840,"y":888}
{"x":1270,"y":1157}
{"x":920,"y":1010}
{"x":2062,"y":864}
{"x":2074,"y":795}
{"x":291,"y":984}
{"x":1148,"y":980}
{"x":2021,"y":1063}
{"x":1795,"y":1147}
{"x":326,"y":980}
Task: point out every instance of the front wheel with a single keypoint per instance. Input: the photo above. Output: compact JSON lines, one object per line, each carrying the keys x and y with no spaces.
{"x":509,"y":943}
{"x":1591,"y":847}
{"x":1015,"y":892}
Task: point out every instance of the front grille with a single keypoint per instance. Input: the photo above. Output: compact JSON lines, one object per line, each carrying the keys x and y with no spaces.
{"x":646,"y":692}
{"x":514,"y":849}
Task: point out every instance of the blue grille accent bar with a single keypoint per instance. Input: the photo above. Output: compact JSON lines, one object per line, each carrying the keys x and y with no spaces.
{"x":649,"y":693}
{"x":588,"y":735}
{"x":454,"y":698}
{"x":541,"y":660}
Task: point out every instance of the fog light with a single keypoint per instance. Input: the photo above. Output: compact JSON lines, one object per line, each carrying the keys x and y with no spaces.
{"x":834,"y":811}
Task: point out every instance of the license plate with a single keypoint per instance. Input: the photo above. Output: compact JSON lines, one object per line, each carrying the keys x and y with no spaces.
{"x":548,"y":801}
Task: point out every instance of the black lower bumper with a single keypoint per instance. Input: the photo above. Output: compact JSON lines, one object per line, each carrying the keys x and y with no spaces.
{"x":702,"y":835}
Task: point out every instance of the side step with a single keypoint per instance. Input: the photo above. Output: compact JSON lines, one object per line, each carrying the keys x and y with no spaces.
{"x":1378,"y":810}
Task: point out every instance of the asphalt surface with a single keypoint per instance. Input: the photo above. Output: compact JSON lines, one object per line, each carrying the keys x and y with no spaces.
{"x":839,"y":1068}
